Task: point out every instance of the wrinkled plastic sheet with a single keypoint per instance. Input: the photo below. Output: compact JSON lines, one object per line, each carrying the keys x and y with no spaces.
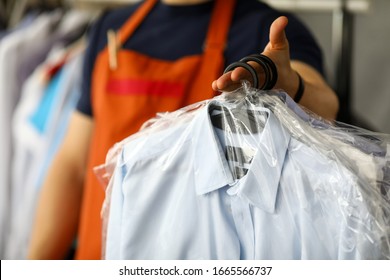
{"x":333,"y":179}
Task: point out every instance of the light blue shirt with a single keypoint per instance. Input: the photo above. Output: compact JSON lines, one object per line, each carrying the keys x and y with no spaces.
{"x":174,"y":196}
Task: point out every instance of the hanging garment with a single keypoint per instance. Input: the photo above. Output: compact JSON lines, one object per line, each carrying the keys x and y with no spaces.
{"x":39,"y":124}
{"x":14,"y":50}
{"x":370,"y":155}
{"x":68,"y":30}
{"x":27,"y":20}
{"x":125,"y":97}
{"x":21,"y":52}
{"x":188,"y":188}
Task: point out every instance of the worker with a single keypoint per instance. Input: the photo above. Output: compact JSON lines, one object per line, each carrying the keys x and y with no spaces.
{"x":165,"y":54}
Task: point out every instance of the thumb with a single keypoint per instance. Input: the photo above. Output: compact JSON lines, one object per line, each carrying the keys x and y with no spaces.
{"x":277,"y":36}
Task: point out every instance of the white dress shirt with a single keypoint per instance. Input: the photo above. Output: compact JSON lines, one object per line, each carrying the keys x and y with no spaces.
{"x":175,"y":196}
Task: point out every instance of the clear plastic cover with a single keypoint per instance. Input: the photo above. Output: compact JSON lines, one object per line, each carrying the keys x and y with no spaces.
{"x":247,"y":175}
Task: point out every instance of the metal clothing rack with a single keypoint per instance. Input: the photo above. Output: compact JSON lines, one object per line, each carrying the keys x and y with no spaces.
{"x":15,"y":10}
{"x":343,"y":27}
{"x":100,"y":4}
{"x":12,"y":11}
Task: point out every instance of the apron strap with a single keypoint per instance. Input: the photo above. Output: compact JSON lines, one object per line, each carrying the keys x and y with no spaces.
{"x":219,"y":25}
{"x":213,"y":52}
{"x":135,"y":20}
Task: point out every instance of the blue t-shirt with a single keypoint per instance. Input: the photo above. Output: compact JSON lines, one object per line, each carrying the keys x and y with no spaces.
{"x":171,"y":32}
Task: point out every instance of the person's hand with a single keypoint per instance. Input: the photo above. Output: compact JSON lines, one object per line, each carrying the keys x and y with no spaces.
{"x":278,"y":50}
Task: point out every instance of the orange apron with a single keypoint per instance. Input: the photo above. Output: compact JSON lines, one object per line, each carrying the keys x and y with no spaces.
{"x":124,"y":98}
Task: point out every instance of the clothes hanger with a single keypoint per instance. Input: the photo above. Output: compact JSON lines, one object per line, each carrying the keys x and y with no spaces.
{"x":240,"y":120}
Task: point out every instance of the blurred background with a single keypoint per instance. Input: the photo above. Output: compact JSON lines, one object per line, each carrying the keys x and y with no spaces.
{"x":352,"y":33}
{"x":354,"y":36}
{"x":40,"y":64}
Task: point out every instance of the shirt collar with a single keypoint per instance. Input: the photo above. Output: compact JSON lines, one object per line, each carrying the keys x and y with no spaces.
{"x":260,"y":185}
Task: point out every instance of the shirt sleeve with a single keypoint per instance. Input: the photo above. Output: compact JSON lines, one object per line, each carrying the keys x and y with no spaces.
{"x":303,"y":45}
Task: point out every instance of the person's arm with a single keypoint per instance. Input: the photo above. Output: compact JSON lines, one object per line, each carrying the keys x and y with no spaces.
{"x":58,"y":210}
{"x":318,"y":97}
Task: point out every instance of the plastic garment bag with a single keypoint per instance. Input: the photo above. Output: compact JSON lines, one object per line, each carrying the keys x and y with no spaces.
{"x":247,"y":175}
